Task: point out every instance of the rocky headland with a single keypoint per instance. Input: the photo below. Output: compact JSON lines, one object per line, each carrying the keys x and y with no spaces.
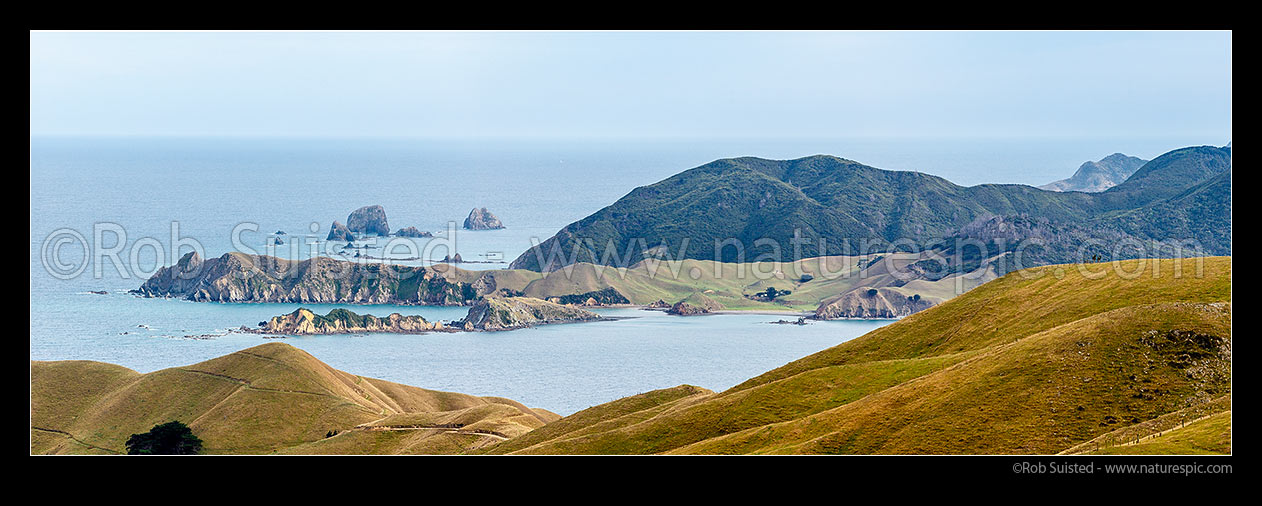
{"x":866,"y":302}
{"x":507,"y":313}
{"x":695,"y":304}
{"x":238,"y":277}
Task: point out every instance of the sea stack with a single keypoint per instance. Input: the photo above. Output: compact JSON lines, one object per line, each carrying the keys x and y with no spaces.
{"x":369,"y":220}
{"x":481,"y":219}
{"x":339,"y":232}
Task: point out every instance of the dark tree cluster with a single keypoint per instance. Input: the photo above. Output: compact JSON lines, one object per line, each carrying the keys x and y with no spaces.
{"x":771,"y":293}
{"x":171,"y":438}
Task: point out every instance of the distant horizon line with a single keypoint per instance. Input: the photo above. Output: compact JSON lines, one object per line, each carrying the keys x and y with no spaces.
{"x":779,"y":137}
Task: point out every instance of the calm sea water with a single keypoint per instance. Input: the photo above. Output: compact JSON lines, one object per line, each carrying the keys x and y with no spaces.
{"x":209,"y":187}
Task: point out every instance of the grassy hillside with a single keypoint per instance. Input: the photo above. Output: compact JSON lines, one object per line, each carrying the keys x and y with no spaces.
{"x":840,"y":206}
{"x":732,"y":284}
{"x":1129,"y":439}
{"x":265,"y":399}
{"x":1039,"y":361}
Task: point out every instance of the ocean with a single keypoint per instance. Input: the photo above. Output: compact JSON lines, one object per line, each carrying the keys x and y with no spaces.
{"x":226,"y":194}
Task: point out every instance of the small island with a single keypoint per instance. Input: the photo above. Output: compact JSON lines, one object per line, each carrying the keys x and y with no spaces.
{"x":303,"y":321}
{"x":481,"y":219}
{"x":492,"y":313}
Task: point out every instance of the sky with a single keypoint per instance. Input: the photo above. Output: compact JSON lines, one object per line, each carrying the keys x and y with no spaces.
{"x":631,"y":84}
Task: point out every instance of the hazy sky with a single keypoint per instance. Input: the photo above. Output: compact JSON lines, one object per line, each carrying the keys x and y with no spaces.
{"x":632,"y":84}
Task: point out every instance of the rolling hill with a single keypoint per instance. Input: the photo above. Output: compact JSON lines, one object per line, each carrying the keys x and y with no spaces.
{"x":266,"y":399}
{"x":1125,"y":357}
{"x":1040,"y":361}
{"x":842,"y":207}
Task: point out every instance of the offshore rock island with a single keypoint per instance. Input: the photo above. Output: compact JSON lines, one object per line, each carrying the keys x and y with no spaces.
{"x":340,"y":321}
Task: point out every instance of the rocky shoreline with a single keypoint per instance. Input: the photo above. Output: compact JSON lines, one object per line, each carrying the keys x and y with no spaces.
{"x":489,"y":314}
{"x":303,"y":321}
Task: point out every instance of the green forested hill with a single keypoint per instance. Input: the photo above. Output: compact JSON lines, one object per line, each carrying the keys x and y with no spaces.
{"x":855,"y":208}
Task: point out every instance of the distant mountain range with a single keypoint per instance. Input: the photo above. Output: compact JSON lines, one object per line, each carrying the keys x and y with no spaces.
{"x":1098,"y":176}
{"x":842,"y":207}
